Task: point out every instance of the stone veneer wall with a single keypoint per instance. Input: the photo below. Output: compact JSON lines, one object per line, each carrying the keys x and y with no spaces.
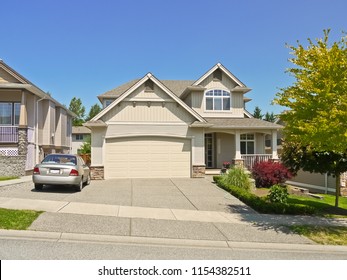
{"x":12,"y":165}
{"x":97,"y":172}
{"x":198,"y":171}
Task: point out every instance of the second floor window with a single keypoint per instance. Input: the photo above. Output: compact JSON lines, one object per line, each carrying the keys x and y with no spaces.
{"x":217,"y":100}
{"x":79,"y":136}
{"x":9,"y":113}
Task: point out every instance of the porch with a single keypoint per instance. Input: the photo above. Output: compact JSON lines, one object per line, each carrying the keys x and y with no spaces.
{"x":235,"y":147}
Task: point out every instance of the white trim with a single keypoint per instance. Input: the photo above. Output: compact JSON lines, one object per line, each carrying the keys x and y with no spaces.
{"x":225,"y":70}
{"x":134,"y":135}
{"x":146,"y":123}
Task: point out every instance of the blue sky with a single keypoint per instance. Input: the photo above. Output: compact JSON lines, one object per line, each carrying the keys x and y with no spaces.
{"x":84,"y":48}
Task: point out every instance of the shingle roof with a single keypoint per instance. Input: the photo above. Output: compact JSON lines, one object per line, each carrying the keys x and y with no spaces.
{"x":176,"y":86}
{"x":241,"y":123}
{"x":80,"y":130}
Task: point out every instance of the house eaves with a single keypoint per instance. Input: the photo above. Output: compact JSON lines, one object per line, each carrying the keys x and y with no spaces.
{"x":161,"y":85}
{"x":241,"y":123}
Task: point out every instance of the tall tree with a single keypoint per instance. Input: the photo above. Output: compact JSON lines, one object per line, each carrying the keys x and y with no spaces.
{"x":317,"y":120}
{"x":77,"y":107}
{"x":257,"y":113}
{"x":94,"y":110}
{"x":270,"y":117}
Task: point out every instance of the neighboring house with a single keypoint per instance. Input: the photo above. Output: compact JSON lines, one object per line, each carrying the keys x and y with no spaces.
{"x":79,"y":135}
{"x":32,"y":124}
{"x":168,"y":128}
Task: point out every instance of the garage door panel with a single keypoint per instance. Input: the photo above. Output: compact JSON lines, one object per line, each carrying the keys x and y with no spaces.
{"x":141,"y":157}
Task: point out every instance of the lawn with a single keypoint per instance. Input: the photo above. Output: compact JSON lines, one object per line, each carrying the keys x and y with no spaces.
{"x":17,"y":219}
{"x":325,"y":206}
{"x":5,"y":178}
{"x":326,"y":235}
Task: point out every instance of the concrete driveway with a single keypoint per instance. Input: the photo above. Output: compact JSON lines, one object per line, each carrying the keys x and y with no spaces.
{"x":173,"y":193}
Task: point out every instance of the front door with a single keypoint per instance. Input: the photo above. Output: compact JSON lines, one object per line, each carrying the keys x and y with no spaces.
{"x":209,"y":150}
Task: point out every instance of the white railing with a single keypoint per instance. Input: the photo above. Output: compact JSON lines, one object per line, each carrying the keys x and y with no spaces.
{"x":8,"y":134}
{"x":250,"y":160}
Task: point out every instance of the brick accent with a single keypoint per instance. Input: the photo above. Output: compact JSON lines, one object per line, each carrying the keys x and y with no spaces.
{"x":198,"y":171}
{"x":12,"y":165}
{"x":22,"y":141}
{"x":97,"y":172}
{"x":343,"y":191}
{"x":238,"y":162}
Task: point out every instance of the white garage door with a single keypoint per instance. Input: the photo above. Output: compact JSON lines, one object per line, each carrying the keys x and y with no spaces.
{"x":147,"y":157}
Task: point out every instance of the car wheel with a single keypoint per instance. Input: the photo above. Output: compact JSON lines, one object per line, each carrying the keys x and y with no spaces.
{"x":38,"y":187}
{"x":88,"y":180}
{"x":79,"y":187}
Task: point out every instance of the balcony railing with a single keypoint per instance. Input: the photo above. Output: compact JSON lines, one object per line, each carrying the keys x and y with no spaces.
{"x":8,"y":134}
{"x":250,"y":160}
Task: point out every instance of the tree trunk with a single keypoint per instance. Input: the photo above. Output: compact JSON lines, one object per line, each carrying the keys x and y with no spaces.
{"x":337,"y":194}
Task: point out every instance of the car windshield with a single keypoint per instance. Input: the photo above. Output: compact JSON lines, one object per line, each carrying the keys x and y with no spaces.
{"x":60,"y":159}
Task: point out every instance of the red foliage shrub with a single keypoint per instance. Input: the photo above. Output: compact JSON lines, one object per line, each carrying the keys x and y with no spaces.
{"x":268,"y":173}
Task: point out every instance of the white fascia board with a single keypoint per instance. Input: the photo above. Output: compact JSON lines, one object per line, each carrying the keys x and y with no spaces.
{"x":225,"y":70}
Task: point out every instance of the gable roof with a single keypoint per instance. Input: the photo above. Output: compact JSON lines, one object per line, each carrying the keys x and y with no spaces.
{"x":24,"y":83}
{"x":240,"y":86}
{"x":161,"y":85}
{"x":176,"y":86}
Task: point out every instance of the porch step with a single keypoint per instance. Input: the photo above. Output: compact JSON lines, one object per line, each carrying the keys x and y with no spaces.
{"x":212,"y":172}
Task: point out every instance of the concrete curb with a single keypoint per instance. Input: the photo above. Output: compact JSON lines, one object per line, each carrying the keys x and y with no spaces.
{"x":96,"y":238}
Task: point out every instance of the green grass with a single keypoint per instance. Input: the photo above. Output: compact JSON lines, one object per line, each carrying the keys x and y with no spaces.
{"x":5,"y":178}
{"x":17,"y":219}
{"x":327,"y":235}
{"x":325,"y":207}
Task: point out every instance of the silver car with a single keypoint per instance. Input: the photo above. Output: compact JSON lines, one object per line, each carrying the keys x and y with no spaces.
{"x":61,"y":169}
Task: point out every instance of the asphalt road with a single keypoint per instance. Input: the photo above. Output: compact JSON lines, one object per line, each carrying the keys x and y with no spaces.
{"x":18,"y":249}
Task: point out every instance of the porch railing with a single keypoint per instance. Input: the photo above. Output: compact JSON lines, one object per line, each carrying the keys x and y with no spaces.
{"x":250,"y":160}
{"x":8,"y":134}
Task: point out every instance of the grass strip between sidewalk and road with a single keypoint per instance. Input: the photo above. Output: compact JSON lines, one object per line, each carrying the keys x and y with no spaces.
{"x":5,"y":178}
{"x":17,"y":219}
{"x":327,"y":235}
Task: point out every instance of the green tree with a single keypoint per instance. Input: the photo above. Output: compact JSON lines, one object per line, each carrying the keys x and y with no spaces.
{"x":316,"y":124}
{"x":257,"y":113}
{"x":270,"y":117}
{"x":77,"y":107}
{"x":94,"y":110}
{"x":86,"y":146}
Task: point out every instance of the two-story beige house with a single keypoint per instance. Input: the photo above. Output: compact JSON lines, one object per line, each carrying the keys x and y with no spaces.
{"x":32,"y":124}
{"x":168,"y":128}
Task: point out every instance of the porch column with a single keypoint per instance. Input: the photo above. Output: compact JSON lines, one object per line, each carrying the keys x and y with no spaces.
{"x":238,"y":145}
{"x":274,"y":144}
{"x":23,"y":117}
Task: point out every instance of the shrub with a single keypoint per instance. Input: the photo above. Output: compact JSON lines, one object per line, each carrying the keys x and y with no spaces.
{"x":278,"y":194}
{"x":237,"y":177}
{"x":260,"y":204}
{"x":268,"y":173}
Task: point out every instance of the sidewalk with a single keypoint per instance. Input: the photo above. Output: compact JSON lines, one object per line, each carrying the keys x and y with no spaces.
{"x":16,"y":181}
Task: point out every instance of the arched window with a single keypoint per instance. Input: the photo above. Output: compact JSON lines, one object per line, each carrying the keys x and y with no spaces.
{"x":217,"y":100}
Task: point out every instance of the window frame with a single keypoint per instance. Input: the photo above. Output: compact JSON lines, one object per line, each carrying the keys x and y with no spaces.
{"x":219,"y":95}
{"x":14,"y":119}
{"x":247,"y":138}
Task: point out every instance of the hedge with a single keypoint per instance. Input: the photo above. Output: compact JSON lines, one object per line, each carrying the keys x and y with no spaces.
{"x":261,"y":205}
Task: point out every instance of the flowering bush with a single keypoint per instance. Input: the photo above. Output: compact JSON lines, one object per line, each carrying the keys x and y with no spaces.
{"x":268,"y":173}
{"x":226,"y":164}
